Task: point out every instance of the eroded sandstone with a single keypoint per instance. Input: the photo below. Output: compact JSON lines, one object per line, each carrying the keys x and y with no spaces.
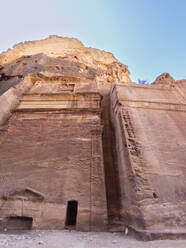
{"x":51,"y":134}
{"x":83,"y":148}
{"x":150,"y":132}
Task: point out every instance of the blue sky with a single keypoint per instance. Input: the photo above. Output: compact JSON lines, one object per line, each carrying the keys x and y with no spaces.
{"x":147,"y":35}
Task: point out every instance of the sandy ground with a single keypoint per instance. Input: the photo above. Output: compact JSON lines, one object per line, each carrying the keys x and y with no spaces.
{"x":72,"y":239}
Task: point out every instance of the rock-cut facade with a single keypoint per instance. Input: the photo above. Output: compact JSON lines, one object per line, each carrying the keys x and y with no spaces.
{"x":84,"y":148}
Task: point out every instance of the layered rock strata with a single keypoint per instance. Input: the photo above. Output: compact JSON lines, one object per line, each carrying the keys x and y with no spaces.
{"x":51,"y":135}
{"x":83,"y":148}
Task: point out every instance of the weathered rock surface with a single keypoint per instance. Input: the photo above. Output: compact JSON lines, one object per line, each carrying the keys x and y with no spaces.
{"x":56,"y":56}
{"x":80,"y":151}
{"x":164,"y":78}
{"x":54,"y":89}
{"x":150,"y":133}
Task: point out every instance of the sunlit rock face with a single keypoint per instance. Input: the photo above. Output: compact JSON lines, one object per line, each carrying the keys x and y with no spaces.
{"x":60,"y":57}
{"x":164,"y":78}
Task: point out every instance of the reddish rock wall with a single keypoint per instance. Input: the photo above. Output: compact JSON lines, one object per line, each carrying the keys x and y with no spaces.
{"x":53,"y":144}
{"x":69,"y":133}
{"x":150,"y":131}
{"x":63,"y":76}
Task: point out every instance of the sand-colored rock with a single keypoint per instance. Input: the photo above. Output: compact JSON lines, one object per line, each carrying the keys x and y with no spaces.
{"x":59,"y":55}
{"x":164,"y":78}
{"x":77,"y":138}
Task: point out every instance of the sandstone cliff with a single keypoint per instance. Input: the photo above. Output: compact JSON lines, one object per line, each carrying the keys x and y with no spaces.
{"x":62,"y":81}
{"x":69,"y":136}
{"x":57,"y":56}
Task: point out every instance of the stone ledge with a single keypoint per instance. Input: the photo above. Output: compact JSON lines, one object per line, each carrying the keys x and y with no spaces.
{"x":145,"y":235}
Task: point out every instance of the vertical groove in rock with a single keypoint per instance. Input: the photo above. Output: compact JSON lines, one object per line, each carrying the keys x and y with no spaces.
{"x":110,"y":165}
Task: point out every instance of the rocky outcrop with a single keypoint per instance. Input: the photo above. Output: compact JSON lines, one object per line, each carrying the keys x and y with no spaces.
{"x":57,"y":56}
{"x":82,"y":148}
{"x":164,"y":78}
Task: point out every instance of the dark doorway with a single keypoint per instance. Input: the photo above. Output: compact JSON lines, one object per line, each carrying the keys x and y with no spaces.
{"x":71,"y":215}
{"x":16,"y":223}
